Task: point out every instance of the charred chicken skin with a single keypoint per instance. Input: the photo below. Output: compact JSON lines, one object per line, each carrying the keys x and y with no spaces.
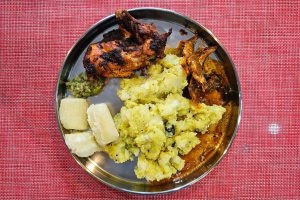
{"x":123,"y":50}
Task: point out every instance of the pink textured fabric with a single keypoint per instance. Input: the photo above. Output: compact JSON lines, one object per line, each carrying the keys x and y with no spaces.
{"x":263,"y":38}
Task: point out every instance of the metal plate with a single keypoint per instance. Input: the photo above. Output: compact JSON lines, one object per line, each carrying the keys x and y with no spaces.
{"x":121,"y":176}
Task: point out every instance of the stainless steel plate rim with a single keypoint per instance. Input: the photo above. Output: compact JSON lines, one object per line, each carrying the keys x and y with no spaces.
{"x":238,"y":88}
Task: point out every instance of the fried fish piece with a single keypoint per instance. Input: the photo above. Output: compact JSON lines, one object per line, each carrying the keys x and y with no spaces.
{"x":208,"y":82}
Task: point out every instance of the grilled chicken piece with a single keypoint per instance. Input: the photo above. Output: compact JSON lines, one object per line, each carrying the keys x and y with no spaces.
{"x":123,"y":50}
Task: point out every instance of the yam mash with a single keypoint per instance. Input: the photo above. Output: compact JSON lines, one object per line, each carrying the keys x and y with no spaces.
{"x":157,"y":124}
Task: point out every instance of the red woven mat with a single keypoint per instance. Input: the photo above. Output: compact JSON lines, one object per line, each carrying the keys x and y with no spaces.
{"x":263,"y":38}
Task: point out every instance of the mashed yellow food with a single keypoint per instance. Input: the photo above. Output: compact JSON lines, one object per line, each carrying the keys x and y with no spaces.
{"x":157,"y":124}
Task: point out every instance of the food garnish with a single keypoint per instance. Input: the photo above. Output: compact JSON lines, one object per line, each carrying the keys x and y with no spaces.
{"x":81,"y":87}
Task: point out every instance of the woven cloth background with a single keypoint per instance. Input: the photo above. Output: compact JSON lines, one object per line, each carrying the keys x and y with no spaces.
{"x":263,"y":38}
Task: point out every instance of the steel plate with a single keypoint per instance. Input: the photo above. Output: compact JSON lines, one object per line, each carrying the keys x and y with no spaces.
{"x":121,"y":176}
